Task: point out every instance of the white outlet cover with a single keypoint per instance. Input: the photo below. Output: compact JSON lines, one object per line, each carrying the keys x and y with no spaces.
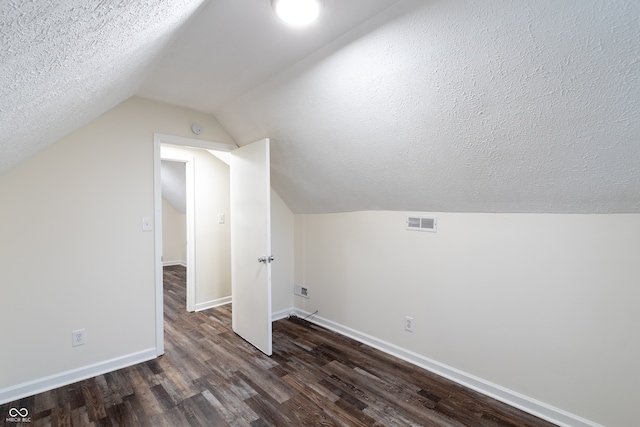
{"x":78,"y":337}
{"x":408,"y":323}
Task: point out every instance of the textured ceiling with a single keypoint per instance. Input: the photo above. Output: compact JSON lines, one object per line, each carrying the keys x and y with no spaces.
{"x":66,"y":62}
{"x":235,"y":45}
{"x":478,"y":106}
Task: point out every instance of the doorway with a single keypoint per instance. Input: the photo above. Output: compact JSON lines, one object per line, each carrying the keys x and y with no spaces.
{"x":250,"y":237}
{"x":184,"y":154}
{"x":209,"y":233}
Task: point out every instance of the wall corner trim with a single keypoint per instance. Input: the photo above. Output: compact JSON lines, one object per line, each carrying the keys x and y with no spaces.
{"x":213,"y":303}
{"x":172,"y":263}
{"x":40,"y":385}
{"x":527,"y":404}
{"x":282,"y":314}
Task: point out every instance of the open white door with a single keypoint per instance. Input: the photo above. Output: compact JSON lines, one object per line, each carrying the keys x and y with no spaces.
{"x":251,"y":244}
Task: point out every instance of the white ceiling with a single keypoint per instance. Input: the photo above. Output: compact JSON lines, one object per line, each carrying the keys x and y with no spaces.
{"x":234,"y":45}
{"x":473,"y":106}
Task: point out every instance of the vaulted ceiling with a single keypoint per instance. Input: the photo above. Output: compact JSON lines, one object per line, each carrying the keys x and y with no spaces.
{"x":468,"y":106}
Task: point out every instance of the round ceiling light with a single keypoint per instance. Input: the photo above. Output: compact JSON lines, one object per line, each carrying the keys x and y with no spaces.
{"x":297,"y":12}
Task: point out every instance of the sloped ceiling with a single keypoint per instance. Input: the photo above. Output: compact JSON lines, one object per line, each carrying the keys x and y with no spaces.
{"x":477,"y":106}
{"x":234,"y":45}
{"x":63,"y":63}
{"x":472,"y":106}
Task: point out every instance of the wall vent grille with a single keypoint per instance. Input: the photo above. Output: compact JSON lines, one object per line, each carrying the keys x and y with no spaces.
{"x":422,"y":223}
{"x":300,"y":290}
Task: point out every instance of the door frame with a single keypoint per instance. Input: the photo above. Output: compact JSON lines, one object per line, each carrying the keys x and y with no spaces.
{"x":158,"y":140}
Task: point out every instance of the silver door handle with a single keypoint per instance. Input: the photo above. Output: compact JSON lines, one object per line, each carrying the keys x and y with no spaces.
{"x":265,"y":259}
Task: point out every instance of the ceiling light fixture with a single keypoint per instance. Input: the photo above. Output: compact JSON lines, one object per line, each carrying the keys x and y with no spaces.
{"x":297,"y":12}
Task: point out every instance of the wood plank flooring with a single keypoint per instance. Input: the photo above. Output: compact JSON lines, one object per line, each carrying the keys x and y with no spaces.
{"x":211,"y":377}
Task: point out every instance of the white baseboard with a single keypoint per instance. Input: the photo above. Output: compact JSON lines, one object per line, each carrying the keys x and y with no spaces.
{"x":510,"y":397}
{"x":40,"y":385}
{"x":170,"y":263}
{"x":213,"y":303}
{"x":282,"y":314}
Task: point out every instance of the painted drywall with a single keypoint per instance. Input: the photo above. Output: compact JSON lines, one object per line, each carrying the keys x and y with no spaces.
{"x":544,"y":305}
{"x":174,"y":235}
{"x":282,"y":249}
{"x":173,"y":177}
{"x":212,"y":240}
{"x":72,"y":250}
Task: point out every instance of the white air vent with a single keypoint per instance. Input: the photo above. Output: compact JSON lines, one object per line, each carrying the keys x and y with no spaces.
{"x":300,"y":290}
{"x":422,"y":223}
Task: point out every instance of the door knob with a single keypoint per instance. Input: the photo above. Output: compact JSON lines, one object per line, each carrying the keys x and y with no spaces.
{"x":265,"y":259}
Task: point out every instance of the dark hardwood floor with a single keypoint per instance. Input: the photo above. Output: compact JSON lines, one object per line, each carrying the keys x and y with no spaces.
{"x":211,"y":377}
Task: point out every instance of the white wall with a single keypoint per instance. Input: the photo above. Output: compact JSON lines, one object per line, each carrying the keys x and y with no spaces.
{"x":72,"y":250}
{"x":544,"y":305}
{"x":213,"y":240}
{"x":282,"y":248}
{"x":174,"y":235}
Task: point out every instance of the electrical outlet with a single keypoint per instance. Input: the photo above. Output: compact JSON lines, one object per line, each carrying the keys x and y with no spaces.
{"x":78,"y":337}
{"x":408,"y":323}
{"x":147,"y":223}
